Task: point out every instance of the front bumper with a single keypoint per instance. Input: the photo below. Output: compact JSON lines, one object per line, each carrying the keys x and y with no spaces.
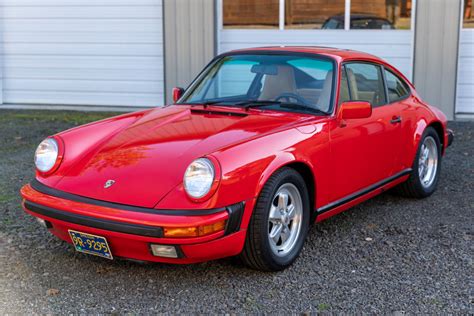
{"x":130,"y":230}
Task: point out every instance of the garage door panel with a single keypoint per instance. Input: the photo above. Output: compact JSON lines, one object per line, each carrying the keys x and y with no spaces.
{"x":79,"y":2}
{"x":83,"y":62}
{"x":67,"y":25}
{"x":83,"y":49}
{"x":76,"y":98}
{"x":316,"y":36}
{"x":82,"y":12}
{"x":393,"y":46}
{"x":464,"y":75}
{"x":466,"y":90}
{"x":464,"y":105}
{"x":84,"y":74}
{"x":109,"y":86}
{"x":83,"y":37}
{"x":465,"y":79}
{"x":466,"y":50}
{"x":387,"y":51}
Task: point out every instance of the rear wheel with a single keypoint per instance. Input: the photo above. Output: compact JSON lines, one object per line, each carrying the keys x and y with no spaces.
{"x":424,"y":177}
{"x":279,"y":224}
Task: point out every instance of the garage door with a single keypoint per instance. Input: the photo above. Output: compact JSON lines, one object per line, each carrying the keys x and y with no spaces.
{"x":82,"y":52}
{"x":465,"y":82}
{"x":379,"y":27}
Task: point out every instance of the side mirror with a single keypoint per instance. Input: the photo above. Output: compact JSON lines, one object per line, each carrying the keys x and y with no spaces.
{"x":177,"y":93}
{"x":355,"y":110}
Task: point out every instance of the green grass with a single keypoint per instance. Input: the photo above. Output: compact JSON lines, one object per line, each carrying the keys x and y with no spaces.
{"x":6,"y":198}
{"x":71,"y":117}
{"x":323,"y":307}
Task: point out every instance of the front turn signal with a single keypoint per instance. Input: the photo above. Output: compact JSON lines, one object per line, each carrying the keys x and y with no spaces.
{"x":196,"y":231}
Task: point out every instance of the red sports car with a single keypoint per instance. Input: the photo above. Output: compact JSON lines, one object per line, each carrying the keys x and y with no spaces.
{"x":262,"y":144}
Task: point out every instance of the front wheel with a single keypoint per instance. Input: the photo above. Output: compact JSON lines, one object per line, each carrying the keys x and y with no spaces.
{"x":279,"y":224}
{"x":424,"y":177}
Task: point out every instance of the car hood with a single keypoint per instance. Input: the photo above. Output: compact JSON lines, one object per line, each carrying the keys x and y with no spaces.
{"x":148,"y":156}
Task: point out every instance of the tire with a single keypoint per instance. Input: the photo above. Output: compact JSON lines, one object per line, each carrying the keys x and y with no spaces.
{"x":414,"y":187}
{"x":260,"y":251}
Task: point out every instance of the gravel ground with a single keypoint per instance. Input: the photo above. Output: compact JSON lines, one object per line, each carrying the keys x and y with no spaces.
{"x":387,"y":255}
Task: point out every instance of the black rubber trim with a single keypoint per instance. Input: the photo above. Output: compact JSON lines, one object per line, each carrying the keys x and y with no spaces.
{"x":450,"y":137}
{"x":38,"y":186}
{"x":224,"y":113}
{"x":236,"y":212}
{"x":134,"y":229}
{"x":362,"y":192}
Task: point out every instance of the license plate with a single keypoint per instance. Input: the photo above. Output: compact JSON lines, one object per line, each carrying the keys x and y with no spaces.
{"x":90,"y":244}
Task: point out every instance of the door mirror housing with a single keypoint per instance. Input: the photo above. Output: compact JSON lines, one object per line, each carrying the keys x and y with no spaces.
{"x":355,"y":110}
{"x":177,"y":93}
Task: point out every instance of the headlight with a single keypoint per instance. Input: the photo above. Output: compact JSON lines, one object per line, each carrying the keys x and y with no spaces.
{"x":199,"y":178}
{"x":46,"y":155}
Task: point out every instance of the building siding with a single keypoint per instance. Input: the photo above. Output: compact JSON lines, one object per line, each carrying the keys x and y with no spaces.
{"x":189,"y":28}
{"x":436,"y":51}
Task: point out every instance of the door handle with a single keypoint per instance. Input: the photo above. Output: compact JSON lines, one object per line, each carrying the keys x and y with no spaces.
{"x":396,"y":119}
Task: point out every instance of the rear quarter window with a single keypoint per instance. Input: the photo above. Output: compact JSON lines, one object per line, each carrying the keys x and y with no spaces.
{"x":397,"y":88}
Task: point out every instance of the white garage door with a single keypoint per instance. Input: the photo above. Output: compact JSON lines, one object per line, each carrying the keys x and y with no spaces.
{"x":465,"y":83}
{"x":393,"y":46}
{"x":82,"y":52}
{"x":379,"y":27}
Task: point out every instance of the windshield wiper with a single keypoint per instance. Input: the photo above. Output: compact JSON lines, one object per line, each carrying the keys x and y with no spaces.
{"x":205,"y":103}
{"x":256,"y":103}
{"x":289,"y":105}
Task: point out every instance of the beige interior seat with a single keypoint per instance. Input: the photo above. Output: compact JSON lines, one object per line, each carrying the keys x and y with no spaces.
{"x":344,"y":89}
{"x":352,"y":84}
{"x":283,"y":82}
{"x":324,"y":100}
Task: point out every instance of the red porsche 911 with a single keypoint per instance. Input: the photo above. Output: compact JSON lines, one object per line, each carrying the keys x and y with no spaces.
{"x":262,"y":144}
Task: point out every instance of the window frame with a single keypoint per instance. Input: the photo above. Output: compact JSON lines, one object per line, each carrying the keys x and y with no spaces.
{"x":463,"y":3}
{"x":335,"y":78}
{"x":385,"y":68}
{"x":373,"y":63}
{"x":346,"y":21}
{"x":343,"y":70}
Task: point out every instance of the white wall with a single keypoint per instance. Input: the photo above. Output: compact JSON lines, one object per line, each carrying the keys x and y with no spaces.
{"x":395,"y":46}
{"x":84,"y":52}
{"x":465,"y":81}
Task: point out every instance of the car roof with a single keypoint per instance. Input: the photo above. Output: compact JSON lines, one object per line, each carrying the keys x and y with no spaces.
{"x":337,"y":53}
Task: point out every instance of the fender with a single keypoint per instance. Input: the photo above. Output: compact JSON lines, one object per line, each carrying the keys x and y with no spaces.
{"x":284,"y":158}
{"x":431,"y":115}
{"x":287,"y":159}
{"x":418,"y":133}
{"x":420,"y":128}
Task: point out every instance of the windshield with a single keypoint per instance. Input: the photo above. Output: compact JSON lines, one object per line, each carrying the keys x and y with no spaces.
{"x":270,"y":81}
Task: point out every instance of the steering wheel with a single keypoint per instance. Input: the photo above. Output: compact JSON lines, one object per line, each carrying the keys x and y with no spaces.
{"x":288,"y":96}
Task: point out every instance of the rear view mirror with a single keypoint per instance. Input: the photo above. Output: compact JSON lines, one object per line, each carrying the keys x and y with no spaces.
{"x":269,"y":70}
{"x":177,"y":93}
{"x":355,"y":110}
